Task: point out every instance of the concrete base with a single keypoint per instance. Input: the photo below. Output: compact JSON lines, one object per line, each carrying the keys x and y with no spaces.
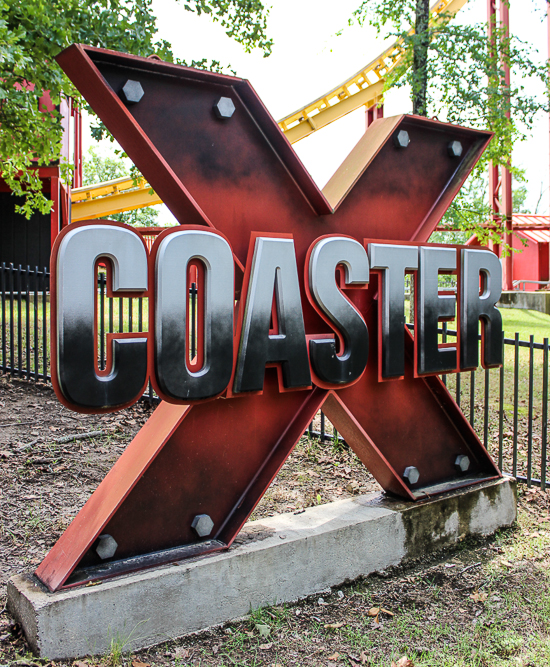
{"x":279,"y":559}
{"x":526,"y":301}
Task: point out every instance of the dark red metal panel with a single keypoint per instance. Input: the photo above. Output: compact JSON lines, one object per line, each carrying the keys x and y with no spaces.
{"x":240,"y":176}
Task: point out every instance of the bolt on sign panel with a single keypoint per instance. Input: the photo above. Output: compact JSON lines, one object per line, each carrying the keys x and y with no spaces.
{"x":264,"y":237}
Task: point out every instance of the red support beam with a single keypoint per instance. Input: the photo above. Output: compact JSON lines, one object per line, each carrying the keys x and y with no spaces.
{"x":56,"y":208}
{"x":506,"y":201}
{"x":500,"y":178}
{"x":373,"y":113}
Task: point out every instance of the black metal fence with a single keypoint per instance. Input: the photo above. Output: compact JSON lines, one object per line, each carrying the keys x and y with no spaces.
{"x":508,"y":406}
{"x":25,"y":301}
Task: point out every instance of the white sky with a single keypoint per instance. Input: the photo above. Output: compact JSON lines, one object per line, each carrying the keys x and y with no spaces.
{"x":308,"y":59}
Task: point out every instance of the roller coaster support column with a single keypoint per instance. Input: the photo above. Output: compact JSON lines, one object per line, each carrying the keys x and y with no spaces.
{"x":373,"y":113}
{"x":500,"y":178}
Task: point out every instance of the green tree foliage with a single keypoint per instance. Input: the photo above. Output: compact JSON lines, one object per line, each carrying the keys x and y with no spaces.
{"x":98,"y":169}
{"x":471,"y":209}
{"x":33,"y":32}
{"x":455,"y":73}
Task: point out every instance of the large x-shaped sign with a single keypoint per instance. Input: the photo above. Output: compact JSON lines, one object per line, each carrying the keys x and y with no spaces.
{"x":238,"y":174}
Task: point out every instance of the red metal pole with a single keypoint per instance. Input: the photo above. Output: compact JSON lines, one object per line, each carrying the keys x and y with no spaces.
{"x":373,"y":113}
{"x":494,"y":171}
{"x":500,"y":178}
{"x":77,"y":146}
{"x":507,"y":203}
{"x":56,"y":209}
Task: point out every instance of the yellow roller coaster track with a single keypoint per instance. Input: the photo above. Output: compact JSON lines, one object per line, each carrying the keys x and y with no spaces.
{"x":103,"y":199}
{"x":365,"y":88}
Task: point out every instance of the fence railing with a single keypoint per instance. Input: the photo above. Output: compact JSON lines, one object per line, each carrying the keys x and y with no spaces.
{"x":508,"y":406}
{"x":25,"y":302}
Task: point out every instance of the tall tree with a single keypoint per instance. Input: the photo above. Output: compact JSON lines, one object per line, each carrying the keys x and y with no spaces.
{"x":33,"y":32}
{"x":455,"y":72}
{"x":420,"y":58}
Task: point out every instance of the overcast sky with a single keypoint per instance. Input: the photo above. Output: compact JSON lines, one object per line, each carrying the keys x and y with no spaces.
{"x":308,"y":59}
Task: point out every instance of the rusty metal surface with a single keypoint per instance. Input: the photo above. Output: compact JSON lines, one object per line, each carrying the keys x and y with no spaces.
{"x":240,"y":175}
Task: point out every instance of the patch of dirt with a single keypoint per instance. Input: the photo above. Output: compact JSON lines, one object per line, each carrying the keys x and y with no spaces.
{"x":45,"y":479}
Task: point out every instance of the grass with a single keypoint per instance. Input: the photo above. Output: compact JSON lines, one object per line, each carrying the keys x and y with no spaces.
{"x":526,"y":323}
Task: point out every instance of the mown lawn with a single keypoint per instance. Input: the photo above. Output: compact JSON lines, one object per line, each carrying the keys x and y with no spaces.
{"x":525,"y":322}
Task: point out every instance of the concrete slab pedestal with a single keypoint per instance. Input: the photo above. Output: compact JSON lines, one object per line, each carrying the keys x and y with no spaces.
{"x":278,"y":559}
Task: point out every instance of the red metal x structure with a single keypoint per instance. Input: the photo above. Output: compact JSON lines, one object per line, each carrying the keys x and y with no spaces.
{"x":240,"y":175}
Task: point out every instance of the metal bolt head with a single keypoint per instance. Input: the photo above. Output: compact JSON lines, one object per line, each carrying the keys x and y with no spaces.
{"x":107,"y":547}
{"x":401,"y":139}
{"x":132,"y":92}
{"x":411,"y":475}
{"x":224,"y":108}
{"x":462,"y":462}
{"x":202,"y":525}
{"x":455,"y":149}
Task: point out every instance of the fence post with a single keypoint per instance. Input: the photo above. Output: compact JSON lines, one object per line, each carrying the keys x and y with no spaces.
{"x":19,"y":325}
{"x":36,"y":293}
{"x":3,"y":287}
{"x":472,"y":398}
{"x":27,"y":323}
{"x":486,"y":412}
{"x":530,"y":412}
{"x":45,"y":276}
{"x":516,"y":392}
{"x":544,"y":434}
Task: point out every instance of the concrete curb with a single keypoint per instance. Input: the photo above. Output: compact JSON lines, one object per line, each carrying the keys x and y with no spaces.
{"x":287,"y":557}
{"x":526,"y":300}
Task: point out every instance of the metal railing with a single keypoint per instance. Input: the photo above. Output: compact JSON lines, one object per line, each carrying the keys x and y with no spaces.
{"x":516,"y":283}
{"x":24,"y":298}
{"x":508,"y":406}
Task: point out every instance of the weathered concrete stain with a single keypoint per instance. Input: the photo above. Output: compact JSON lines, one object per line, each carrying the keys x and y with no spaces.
{"x":473,"y":511}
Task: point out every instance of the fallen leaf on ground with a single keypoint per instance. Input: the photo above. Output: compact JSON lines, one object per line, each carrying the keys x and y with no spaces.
{"x":478,"y":597}
{"x":403,"y":662}
{"x":138,"y":663}
{"x":264,"y":630}
{"x":374,"y":611}
{"x":334,"y":656}
{"x":364,"y":658}
{"x":386,"y":611}
{"x":333,"y":626}
{"x":5,"y":455}
{"x":79,"y":663}
{"x":266,"y":647}
{"x":182,"y":652}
